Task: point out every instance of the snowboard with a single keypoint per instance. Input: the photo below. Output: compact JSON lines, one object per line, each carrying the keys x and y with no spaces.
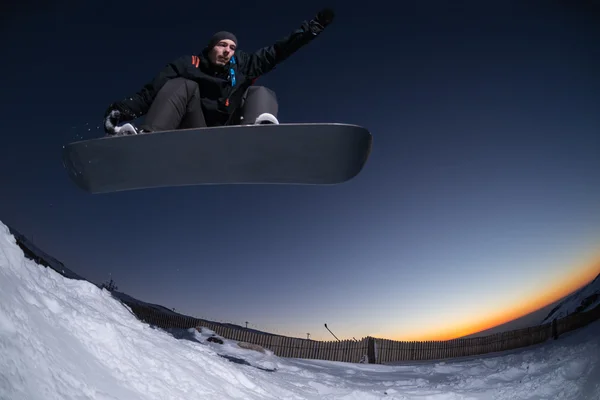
{"x":293,"y":154}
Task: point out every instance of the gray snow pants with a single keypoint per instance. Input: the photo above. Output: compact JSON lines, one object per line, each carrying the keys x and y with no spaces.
{"x":177,"y":106}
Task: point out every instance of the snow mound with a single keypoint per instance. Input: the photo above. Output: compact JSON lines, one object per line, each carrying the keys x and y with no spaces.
{"x":582,"y":300}
{"x":68,"y":339}
{"x":41,"y":256}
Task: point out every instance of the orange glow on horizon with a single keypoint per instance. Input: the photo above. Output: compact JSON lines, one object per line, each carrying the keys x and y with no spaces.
{"x":571,"y":281}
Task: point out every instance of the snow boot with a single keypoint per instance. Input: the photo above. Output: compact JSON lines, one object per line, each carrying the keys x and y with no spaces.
{"x":266,"y":118}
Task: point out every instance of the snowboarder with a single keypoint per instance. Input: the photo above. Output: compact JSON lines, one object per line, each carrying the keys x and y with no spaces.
{"x":215,"y":87}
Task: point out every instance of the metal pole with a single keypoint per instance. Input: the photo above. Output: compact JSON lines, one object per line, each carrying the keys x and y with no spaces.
{"x":332,"y":333}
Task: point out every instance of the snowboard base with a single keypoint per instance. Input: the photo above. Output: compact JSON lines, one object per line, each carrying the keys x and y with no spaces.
{"x":296,"y":154}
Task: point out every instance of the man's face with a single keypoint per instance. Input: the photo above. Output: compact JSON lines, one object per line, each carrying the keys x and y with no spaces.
{"x":222,"y":52}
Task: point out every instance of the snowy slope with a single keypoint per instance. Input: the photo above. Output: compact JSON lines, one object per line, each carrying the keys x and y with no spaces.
{"x":127,"y":299}
{"x":582,"y":300}
{"x":68,"y":339}
{"x":43,"y":257}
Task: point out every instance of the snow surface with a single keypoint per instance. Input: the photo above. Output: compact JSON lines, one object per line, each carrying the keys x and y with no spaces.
{"x":585,"y":299}
{"x":68,"y":339}
{"x":48,"y":259}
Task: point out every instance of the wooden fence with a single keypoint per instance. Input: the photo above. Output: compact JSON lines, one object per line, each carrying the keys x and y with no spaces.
{"x":346,"y":350}
{"x":391,"y":351}
{"x":376,"y":350}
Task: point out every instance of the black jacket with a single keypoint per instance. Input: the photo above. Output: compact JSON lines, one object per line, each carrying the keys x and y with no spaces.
{"x":220,"y":89}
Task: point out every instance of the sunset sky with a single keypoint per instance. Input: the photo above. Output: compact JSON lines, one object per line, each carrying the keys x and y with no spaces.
{"x":480,"y":202}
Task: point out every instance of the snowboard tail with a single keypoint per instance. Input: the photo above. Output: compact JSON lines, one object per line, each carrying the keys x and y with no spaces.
{"x":296,"y":154}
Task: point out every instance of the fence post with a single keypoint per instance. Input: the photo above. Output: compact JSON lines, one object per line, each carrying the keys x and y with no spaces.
{"x":371,"y":350}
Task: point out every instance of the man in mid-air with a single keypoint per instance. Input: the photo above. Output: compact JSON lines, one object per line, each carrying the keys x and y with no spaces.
{"x":213,"y":88}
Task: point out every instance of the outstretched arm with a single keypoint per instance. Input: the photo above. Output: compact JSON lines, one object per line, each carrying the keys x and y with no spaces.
{"x":267,"y":58}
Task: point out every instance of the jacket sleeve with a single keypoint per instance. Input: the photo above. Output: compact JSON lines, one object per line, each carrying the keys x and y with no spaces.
{"x":139,"y":103}
{"x":266,"y":59}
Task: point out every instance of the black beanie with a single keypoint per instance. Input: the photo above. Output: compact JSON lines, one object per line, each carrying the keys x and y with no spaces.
{"x":217,"y":37}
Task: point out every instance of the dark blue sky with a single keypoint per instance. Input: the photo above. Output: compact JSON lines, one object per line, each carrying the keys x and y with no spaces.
{"x":480,"y":201}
